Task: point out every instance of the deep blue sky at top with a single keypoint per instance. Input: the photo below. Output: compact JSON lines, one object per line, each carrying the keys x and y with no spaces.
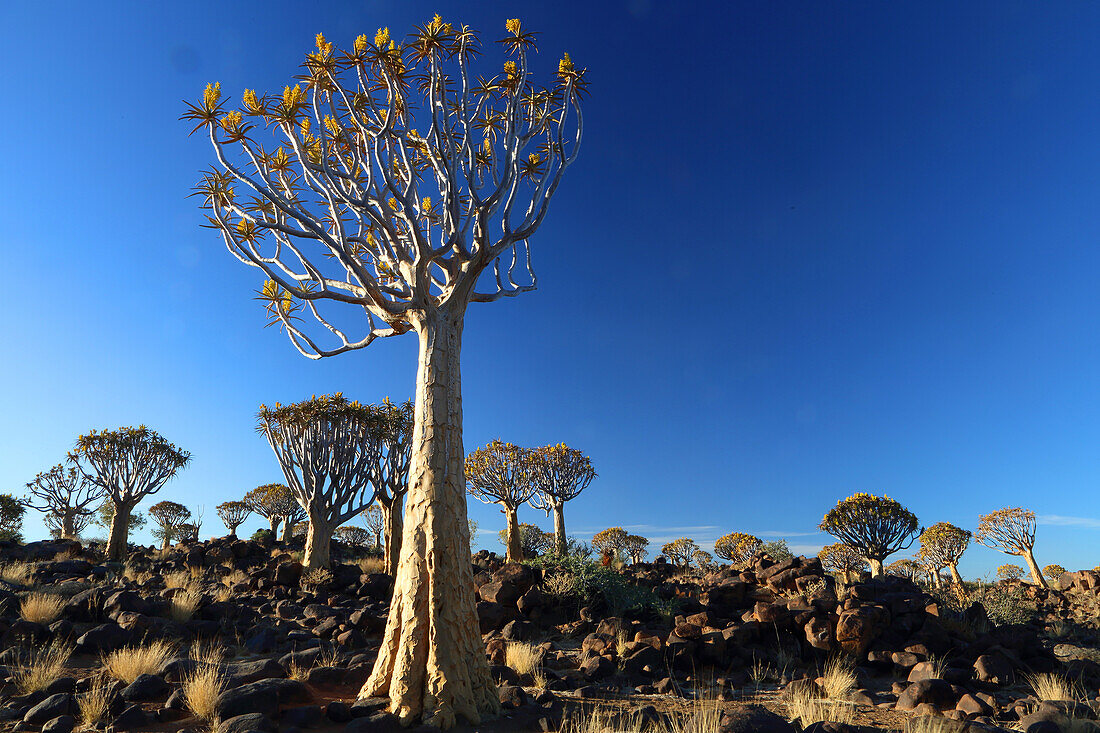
{"x":809,"y":249}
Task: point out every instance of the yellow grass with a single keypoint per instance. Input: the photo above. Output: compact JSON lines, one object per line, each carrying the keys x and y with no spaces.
{"x":183,"y":604}
{"x":41,"y":608}
{"x":38,"y":668}
{"x":201,"y":690}
{"x":94,"y":703}
{"x":371,"y":565}
{"x":807,"y":709}
{"x":18,"y":573}
{"x":223,"y":594}
{"x":838,"y":679}
{"x":212,"y":652}
{"x":131,"y":662}
{"x":177,"y":579}
{"x":522,"y":657}
{"x":234,"y":578}
{"x":1052,"y":687}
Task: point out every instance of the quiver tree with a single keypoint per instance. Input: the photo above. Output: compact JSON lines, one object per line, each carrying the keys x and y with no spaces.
{"x":170,"y":519}
{"x":128,"y":464}
{"x":292,"y":516}
{"x":1011,"y":531}
{"x":500,"y":473}
{"x":876,"y":526}
{"x":903,"y":568}
{"x":738,"y":548}
{"x":390,"y":474}
{"x":680,"y":551}
{"x":105,"y":517}
{"x":931,"y":565}
{"x":635,"y":547}
{"x":842,"y":559}
{"x":376,"y":523}
{"x":66,"y":497}
{"x":11,"y":518}
{"x":533,"y":541}
{"x":1053,"y":572}
{"x":943,"y":545}
{"x":1010,"y":572}
{"x":560,"y":474}
{"x":345,"y":198}
{"x":272,"y":502}
{"x":349,"y":534}
{"x":325,"y":446}
{"x":703,"y":560}
{"x":233,"y":514}
{"x":777,"y":550}
{"x":610,"y":541}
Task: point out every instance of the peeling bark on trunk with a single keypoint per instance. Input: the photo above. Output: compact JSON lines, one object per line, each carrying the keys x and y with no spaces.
{"x":432,"y":663}
{"x":1036,"y":574}
{"x":273,"y":522}
{"x":318,"y":540}
{"x":120,"y":527}
{"x":955,"y":577}
{"x":559,"y":530}
{"x":288,"y":531}
{"x":394,"y":529}
{"x":68,"y":527}
{"x":515,"y":550}
{"x":876,"y":566}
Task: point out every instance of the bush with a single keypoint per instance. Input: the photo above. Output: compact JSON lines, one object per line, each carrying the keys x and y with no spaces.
{"x":263,"y":536}
{"x":593,"y":581}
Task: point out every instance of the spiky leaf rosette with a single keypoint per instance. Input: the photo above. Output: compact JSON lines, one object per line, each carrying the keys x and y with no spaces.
{"x":738,"y":548}
{"x":877,"y":526}
{"x":1009,"y":530}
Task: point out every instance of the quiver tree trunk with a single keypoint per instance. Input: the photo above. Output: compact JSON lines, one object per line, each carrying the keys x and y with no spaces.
{"x":68,"y":526}
{"x":955,"y":577}
{"x":432,"y":663}
{"x":515,"y":549}
{"x":273,"y":522}
{"x":1036,"y":574}
{"x":394,"y":530}
{"x":288,"y":532}
{"x":876,"y":566}
{"x":120,"y":528}
{"x":559,"y":530}
{"x":318,"y":541}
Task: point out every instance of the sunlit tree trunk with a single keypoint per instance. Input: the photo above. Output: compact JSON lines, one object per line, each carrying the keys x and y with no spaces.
{"x":288,"y":531}
{"x":68,"y":526}
{"x":559,"y":529}
{"x":955,"y":573}
{"x":515,"y":549}
{"x":1036,"y":574}
{"x":273,"y":522}
{"x":318,"y":541}
{"x":876,"y":566}
{"x":120,"y":527}
{"x":432,"y":660}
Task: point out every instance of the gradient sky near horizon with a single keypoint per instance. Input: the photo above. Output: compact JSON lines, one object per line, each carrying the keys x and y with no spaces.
{"x":808,"y":249}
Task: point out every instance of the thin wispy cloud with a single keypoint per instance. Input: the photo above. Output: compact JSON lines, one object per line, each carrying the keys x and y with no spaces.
{"x":1060,"y":520}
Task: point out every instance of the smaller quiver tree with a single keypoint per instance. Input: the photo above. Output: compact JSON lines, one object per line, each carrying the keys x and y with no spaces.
{"x":128,"y":464}
{"x":636,"y":548}
{"x":1053,"y":572}
{"x":67,"y":499}
{"x":610,"y":541}
{"x":560,"y":474}
{"x":272,"y":502}
{"x":292,"y":516}
{"x":1010,"y":572}
{"x":352,"y":535}
{"x":942,"y":545}
{"x":738,"y":548}
{"x":842,"y":559}
{"x":233,"y":514}
{"x":500,"y":473}
{"x":170,"y":518}
{"x":390,"y":474}
{"x":876,"y":526}
{"x":903,"y":568}
{"x":680,"y":551}
{"x":375,"y":520}
{"x":1011,"y":531}
{"x":533,"y":541}
{"x":325,"y":446}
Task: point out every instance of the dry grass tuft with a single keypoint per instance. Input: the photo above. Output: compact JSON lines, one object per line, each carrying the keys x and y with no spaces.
{"x":201,"y":690}
{"x":208,"y":652}
{"x":17,"y":573}
{"x":838,"y":678}
{"x":371,"y":565}
{"x":235,"y":577}
{"x":807,"y":709}
{"x":223,"y":594}
{"x":39,"y":668}
{"x":184,"y":603}
{"x":1053,"y":687}
{"x":94,"y":704}
{"x":177,"y":579}
{"x":41,"y":608}
{"x":131,"y":662}
{"x":522,"y":657}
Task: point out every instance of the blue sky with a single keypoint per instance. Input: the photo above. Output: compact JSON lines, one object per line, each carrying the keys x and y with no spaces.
{"x":808,"y":249}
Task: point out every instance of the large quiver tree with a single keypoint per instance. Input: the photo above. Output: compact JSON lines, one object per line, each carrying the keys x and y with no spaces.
{"x":390,"y":474}
{"x":876,"y":526}
{"x":942,"y":545}
{"x":1011,"y":531}
{"x":347,"y":199}
{"x":66,"y":497}
{"x":326,"y":446}
{"x":128,"y":464}
{"x":560,"y":474}
{"x":501,"y":473}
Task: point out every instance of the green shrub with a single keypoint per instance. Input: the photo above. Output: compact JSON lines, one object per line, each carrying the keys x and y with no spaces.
{"x":263,"y":536}
{"x":606,"y":586}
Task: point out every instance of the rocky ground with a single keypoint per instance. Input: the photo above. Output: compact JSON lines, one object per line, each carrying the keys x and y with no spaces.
{"x":729,"y":651}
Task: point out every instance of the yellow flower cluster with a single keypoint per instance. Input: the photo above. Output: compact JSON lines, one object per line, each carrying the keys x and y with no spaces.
{"x":510,"y":69}
{"x":565,"y":66}
{"x":232,"y":121}
{"x":251,"y":103}
{"x":212,"y":95}
{"x":382,"y":38}
{"x":324,"y":48}
{"x":292,"y":96}
{"x":513,"y":26}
